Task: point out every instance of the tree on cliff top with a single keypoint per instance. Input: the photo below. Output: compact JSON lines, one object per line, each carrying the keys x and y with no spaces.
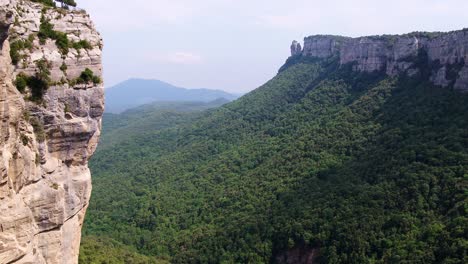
{"x":66,"y":3}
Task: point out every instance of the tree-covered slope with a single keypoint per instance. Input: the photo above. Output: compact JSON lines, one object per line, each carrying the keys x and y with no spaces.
{"x":340,"y":166}
{"x":150,"y":118}
{"x":104,"y":250}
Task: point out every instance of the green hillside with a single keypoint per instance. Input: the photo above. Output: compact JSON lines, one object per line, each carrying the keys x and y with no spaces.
{"x":118,"y":128}
{"x":348,"y":167}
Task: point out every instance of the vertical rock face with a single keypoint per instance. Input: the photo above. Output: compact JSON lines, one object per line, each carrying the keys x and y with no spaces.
{"x":445,"y":52}
{"x":321,"y":46}
{"x":296,"y":48}
{"x":47,"y":139}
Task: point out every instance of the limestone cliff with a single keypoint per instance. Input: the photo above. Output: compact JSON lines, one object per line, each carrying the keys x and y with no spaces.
{"x":445,"y":52}
{"x":51,"y":103}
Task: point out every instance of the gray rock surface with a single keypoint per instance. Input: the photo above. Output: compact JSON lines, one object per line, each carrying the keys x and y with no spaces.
{"x":296,"y":48}
{"x":45,"y":184}
{"x":445,"y":52}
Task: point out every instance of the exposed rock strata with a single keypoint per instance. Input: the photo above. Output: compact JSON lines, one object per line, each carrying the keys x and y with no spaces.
{"x":45,"y":182}
{"x":445,"y":52}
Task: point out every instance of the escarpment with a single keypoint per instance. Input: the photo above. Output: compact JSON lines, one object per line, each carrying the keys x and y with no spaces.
{"x":445,"y":54}
{"x":51,"y":103}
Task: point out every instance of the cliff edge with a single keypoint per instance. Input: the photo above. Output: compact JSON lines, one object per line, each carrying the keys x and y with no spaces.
{"x":51,"y":103}
{"x":446,"y":54}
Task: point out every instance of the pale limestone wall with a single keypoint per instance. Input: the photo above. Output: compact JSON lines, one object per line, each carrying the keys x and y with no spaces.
{"x":391,"y":53}
{"x":45,"y":186}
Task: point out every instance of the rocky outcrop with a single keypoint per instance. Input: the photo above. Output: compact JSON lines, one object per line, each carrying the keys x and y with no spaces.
{"x":445,"y":53}
{"x":46,"y":139}
{"x":296,"y":48}
{"x":300,"y":254}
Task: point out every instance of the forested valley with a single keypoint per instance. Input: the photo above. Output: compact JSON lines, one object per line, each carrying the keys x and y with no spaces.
{"x":346,"y":167}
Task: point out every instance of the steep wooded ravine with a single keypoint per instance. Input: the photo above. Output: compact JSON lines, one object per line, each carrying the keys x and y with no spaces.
{"x":335,"y":160}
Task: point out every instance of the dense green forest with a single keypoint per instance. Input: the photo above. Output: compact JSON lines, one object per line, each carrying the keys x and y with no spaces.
{"x":149,"y":118}
{"x":352,"y":168}
{"x":118,"y":129}
{"x":108,"y":251}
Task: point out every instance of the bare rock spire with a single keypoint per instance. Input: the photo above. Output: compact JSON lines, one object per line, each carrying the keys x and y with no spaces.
{"x":296,"y":48}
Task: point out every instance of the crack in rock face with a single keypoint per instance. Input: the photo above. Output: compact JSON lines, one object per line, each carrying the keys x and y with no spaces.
{"x":50,"y":123}
{"x":3,"y":33}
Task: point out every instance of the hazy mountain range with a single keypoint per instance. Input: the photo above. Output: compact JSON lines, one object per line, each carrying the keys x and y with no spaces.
{"x":136,"y":92}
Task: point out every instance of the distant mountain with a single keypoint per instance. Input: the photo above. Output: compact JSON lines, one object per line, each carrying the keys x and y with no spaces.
{"x":136,"y":92}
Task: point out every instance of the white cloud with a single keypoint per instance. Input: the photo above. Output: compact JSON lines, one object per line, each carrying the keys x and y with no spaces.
{"x":180,"y":57}
{"x":361,"y":17}
{"x":184,"y":58}
{"x":217,"y":34}
{"x":349,"y":17}
{"x":124,"y":15}
{"x":279,"y":21}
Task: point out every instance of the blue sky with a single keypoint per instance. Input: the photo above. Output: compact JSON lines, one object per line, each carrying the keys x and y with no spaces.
{"x":237,"y":45}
